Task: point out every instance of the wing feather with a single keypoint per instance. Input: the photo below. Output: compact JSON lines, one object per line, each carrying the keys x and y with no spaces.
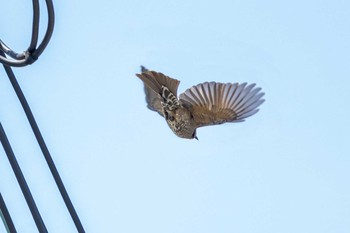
{"x":237,"y":96}
{"x":214,"y":103}
{"x":153,"y":100}
{"x":248,"y":98}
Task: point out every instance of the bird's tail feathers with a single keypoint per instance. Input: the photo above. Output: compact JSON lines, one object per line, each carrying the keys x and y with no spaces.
{"x":156,"y":81}
{"x":143,"y":69}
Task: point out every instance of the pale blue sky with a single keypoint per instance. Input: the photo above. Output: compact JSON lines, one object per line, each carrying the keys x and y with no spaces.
{"x":286,"y":169}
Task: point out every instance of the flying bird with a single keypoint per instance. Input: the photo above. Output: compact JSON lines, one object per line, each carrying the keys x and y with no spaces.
{"x":208,"y":103}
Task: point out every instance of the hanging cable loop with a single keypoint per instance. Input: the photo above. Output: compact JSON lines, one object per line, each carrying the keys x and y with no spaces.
{"x":9,"y":58}
{"x":33,"y":52}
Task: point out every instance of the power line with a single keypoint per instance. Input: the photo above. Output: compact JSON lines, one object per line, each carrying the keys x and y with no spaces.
{"x":11,"y":58}
{"x":6,"y":217}
{"x":21,"y":181}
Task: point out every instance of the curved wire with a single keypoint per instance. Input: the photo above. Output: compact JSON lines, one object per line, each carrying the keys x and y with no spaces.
{"x":28,"y":57}
{"x":32,"y":53}
{"x":9,"y":52}
{"x":49,"y":29}
{"x":35,"y":28}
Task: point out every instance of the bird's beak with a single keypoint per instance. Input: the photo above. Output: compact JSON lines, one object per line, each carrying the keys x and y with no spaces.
{"x":196,"y":138}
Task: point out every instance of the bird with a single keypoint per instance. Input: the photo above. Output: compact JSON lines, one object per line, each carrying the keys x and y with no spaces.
{"x":205,"y":104}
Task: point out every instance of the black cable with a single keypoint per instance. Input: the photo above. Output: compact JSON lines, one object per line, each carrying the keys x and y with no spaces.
{"x":19,"y":58}
{"x":32,"y":53}
{"x":35,"y":27}
{"x":10,"y":52}
{"x":10,"y":227}
{"x":22,"y":182}
{"x":44,"y":149}
{"x":25,"y":58}
{"x":49,"y":29}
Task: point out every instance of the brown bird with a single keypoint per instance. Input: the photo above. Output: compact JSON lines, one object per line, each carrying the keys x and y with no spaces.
{"x":208,"y":103}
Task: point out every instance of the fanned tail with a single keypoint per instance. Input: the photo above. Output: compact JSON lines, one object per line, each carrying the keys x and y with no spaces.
{"x":156,"y":81}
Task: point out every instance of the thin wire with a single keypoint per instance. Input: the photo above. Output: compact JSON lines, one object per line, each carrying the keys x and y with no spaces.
{"x":44,"y":149}
{"x":23,"y":59}
{"x":32,"y":53}
{"x":22,"y":182}
{"x":5,"y":215}
{"x":10,"y":52}
{"x":49,"y":29}
{"x":35,"y":28}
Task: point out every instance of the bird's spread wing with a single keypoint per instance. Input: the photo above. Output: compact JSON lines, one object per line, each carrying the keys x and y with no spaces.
{"x":153,"y":100}
{"x":216,"y":103}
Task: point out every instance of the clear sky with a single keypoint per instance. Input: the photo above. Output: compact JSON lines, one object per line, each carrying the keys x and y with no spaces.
{"x":286,"y":169}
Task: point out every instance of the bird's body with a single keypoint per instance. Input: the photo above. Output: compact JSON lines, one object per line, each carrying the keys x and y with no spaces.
{"x":205,"y":104}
